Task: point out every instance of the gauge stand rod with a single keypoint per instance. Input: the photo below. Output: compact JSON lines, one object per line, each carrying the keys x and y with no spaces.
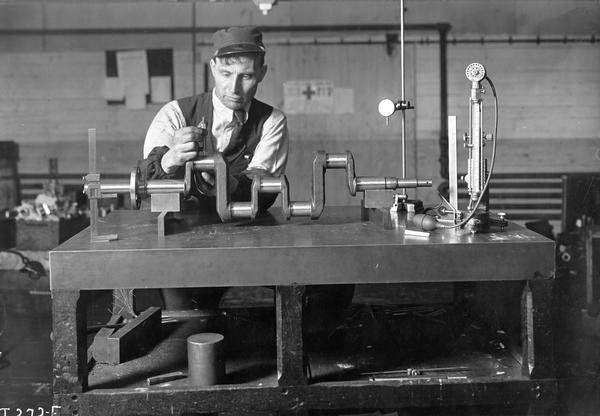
{"x":388,"y":107}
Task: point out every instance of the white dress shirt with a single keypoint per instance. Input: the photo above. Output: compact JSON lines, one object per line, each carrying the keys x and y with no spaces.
{"x":270,"y":154}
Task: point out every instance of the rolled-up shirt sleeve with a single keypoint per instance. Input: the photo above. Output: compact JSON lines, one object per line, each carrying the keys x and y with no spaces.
{"x":162,"y":129}
{"x":271,"y":153}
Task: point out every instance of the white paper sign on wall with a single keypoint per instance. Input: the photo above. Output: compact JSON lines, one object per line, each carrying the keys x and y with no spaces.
{"x":308,"y":96}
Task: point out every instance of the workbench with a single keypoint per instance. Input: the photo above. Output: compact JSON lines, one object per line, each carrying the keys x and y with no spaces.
{"x":339,"y":248}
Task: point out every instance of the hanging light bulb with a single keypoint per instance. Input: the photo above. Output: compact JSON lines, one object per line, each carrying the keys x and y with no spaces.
{"x":265,"y":6}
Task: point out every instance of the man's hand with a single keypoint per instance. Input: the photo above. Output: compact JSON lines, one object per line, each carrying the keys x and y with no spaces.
{"x":208,"y":178}
{"x":206,"y":184}
{"x":184,"y":148}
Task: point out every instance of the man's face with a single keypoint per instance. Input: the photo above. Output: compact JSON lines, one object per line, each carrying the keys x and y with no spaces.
{"x":237,"y":78}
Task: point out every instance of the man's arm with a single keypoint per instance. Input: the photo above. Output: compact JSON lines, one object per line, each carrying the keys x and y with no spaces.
{"x":270,"y":159}
{"x":271,"y":153}
{"x":160,"y":132}
{"x":169,"y":143}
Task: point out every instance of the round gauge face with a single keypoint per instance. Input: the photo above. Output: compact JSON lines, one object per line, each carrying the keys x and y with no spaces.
{"x":386,"y":107}
{"x":475,"y":72}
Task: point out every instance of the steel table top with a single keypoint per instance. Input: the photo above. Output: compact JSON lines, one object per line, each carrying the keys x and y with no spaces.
{"x":337,"y":248}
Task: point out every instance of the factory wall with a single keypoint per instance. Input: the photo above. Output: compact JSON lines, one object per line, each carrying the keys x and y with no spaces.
{"x":53,"y":68}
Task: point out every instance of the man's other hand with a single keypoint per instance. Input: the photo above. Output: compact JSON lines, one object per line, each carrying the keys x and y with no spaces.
{"x":208,"y":178}
{"x":206,"y":184}
{"x":184,"y":148}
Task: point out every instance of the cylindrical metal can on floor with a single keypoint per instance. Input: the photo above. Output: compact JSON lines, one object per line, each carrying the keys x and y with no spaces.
{"x":206,"y":359}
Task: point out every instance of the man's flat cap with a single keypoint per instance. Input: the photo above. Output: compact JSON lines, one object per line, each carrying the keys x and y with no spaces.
{"x":245,"y":39}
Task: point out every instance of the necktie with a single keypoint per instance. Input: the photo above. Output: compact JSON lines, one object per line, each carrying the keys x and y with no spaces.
{"x":235,"y":125}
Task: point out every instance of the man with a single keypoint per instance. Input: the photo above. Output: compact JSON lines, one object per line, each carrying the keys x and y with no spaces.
{"x":252,"y":135}
{"x":258,"y":147}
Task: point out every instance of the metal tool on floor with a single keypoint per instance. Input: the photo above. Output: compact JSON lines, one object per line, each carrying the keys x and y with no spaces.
{"x":381,"y":375}
{"x":165,"y":378}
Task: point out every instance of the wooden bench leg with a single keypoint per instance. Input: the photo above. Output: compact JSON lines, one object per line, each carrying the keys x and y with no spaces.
{"x":70,"y":349}
{"x":537,"y":329}
{"x":290,"y":351}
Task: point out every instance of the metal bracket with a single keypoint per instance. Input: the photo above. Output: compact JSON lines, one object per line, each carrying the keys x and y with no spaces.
{"x":163,"y":203}
{"x":92,"y":188}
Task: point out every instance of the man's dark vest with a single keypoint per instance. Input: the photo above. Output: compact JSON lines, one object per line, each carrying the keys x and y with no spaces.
{"x":200,"y":106}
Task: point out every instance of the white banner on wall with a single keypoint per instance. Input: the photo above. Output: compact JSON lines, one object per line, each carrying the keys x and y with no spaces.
{"x":308,"y":96}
